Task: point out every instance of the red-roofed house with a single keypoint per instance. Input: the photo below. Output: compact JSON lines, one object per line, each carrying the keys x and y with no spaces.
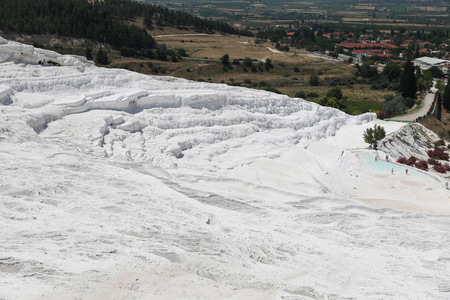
{"x":351,"y":46}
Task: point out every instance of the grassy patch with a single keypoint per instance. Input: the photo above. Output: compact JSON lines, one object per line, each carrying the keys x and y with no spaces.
{"x":353,"y":107}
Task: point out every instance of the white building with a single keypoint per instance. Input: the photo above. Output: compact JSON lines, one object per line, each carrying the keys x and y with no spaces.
{"x":427,"y":62}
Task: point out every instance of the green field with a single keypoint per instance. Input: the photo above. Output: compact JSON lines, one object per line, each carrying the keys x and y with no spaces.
{"x":262,"y":13}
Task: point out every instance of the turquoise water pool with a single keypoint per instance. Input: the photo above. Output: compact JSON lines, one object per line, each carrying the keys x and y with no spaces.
{"x":380,"y":165}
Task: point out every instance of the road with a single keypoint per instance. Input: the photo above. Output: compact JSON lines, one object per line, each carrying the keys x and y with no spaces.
{"x":422,"y":111}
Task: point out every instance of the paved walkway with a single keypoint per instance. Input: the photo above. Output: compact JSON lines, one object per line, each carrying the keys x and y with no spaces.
{"x":420,"y":112}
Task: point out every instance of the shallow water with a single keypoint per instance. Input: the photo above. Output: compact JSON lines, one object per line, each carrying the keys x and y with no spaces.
{"x":381,"y":165}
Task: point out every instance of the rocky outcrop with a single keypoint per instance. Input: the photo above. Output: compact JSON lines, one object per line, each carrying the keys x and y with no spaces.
{"x":411,"y":140}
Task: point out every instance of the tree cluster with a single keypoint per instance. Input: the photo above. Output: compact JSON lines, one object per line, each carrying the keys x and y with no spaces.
{"x":333,"y":98}
{"x":102,"y":21}
{"x":396,"y":104}
{"x":246,"y":65}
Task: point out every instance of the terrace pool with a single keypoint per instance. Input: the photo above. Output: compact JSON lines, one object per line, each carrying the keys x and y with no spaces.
{"x":380,"y":165}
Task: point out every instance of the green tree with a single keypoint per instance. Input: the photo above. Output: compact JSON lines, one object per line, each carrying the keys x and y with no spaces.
{"x":102,"y":57}
{"x":394,"y":105}
{"x":440,"y":85}
{"x":425,"y":80}
{"x":392,"y":71}
{"x":367,"y":70}
{"x":314,"y":80}
{"x":333,"y":102}
{"x":335,"y":92}
{"x":329,"y":102}
{"x":435,"y":72}
{"x":225,"y":60}
{"x":88,"y":54}
{"x":373,"y":135}
{"x":446,"y":98}
{"x":408,"y":85}
{"x":268,"y":64}
{"x":247,"y":62}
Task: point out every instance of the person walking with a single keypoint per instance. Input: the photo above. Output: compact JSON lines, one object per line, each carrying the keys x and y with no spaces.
{"x":392,"y":171}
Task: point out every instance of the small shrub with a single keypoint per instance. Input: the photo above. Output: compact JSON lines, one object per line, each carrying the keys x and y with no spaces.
{"x":312,"y":94}
{"x":247,"y":81}
{"x":296,"y":69}
{"x":272,"y":89}
{"x":300,"y":94}
{"x":314,"y":80}
{"x":50,"y":62}
{"x":432,"y":161}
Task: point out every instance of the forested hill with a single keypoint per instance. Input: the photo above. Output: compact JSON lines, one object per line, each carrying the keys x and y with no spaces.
{"x":98,"y":20}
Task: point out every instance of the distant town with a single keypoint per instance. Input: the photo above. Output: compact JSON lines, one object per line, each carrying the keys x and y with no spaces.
{"x":384,"y":48}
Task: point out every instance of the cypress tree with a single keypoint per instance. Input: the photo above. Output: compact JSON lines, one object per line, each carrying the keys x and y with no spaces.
{"x":446,"y":98}
{"x":88,"y":54}
{"x":408,"y":84}
{"x":102,"y":57}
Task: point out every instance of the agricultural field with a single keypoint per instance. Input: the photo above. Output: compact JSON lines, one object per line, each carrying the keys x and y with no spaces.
{"x":284,"y":12}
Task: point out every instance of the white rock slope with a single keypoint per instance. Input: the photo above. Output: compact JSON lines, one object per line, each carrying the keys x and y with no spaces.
{"x":116,"y":185}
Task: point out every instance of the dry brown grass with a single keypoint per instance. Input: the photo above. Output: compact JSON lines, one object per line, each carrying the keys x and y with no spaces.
{"x":364,"y":7}
{"x":431,"y":8}
{"x":441,"y":128}
{"x":215,"y":46}
{"x":373,"y":20}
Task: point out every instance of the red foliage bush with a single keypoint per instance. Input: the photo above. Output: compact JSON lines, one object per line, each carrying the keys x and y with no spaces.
{"x":410,"y":161}
{"x":438,"y":153}
{"x":440,"y":169}
{"x":381,"y":115}
{"x":402,"y":160}
{"x":442,"y":142}
{"x":422,"y":165}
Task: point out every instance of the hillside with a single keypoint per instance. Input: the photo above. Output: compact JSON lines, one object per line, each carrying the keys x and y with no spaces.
{"x":122,"y":185}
